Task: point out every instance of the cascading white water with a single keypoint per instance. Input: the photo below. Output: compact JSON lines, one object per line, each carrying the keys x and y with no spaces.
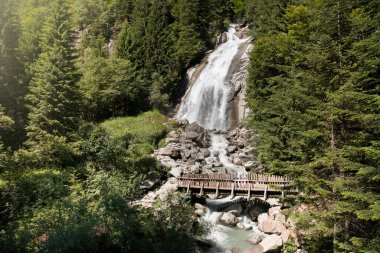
{"x":227,"y":238}
{"x":207,"y":104}
{"x":207,"y":101}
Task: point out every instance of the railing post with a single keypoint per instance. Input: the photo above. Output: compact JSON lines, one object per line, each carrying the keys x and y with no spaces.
{"x":217,"y":190}
{"x":249,"y":191}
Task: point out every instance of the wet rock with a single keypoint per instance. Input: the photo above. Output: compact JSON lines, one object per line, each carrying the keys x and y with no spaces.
{"x":228,"y":219}
{"x":200,"y":210}
{"x":235,"y":209}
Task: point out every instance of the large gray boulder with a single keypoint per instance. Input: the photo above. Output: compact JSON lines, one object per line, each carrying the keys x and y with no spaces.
{"x":270,"y":226}
{"x":194,"y":127}
{"x":176,"y":171}
{"x":271,"y":243}
{"x":190,"y":135}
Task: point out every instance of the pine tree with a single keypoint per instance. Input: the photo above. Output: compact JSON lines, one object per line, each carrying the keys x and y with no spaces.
{"x":54,"y":98}
{"x":11,"y":88}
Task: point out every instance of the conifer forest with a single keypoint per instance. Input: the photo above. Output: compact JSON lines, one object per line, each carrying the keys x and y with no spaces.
{"x":104,"y":103}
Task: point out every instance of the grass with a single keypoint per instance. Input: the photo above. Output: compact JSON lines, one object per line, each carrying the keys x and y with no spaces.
{"x":149,"y":127}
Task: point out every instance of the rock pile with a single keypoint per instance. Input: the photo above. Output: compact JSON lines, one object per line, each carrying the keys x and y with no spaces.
{"x":274,"y":230}
{"x":240,"y":150}
{"x":187,"y":150}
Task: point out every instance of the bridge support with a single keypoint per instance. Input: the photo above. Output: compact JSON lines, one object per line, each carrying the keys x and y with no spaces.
{"x":188,"y":188}
{"x":217,"y":190}
{"x":249,"y":192}
{"x":266,"y":192}
{"x":201,"y":192}
{"x":233,"y":190}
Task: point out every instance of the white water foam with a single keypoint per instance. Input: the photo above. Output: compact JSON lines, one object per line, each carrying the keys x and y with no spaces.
{"x":207,"y":101}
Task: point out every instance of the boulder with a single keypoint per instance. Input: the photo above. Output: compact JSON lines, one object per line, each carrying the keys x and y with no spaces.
{"x":280,"y":218}
{"x":235,"y":209}
{"x":271,"y":243}
{"x":257,"y":249}
{"x":185,"y":154}
{"x":183,"y":122}
{"x":285,"y":236}
{"x":171,"y":140}
{"x":249,"y":165}
{"x":173,"y":134}
{"x":237,"y":161}
{"x":167,"y":151}
{"x":228,"y":219}
{"x":207,"y":167}
{"x":273,"y":211}
{"x":231,"y":133}
{"x":194,"y":127}
{"x":190,"y":135}
{"x":256,"y":238}
{"x":270,"y":226}
{"x":191,"y":161}
{"x":231,"y":149}
{"x":217,"y":164}
{"x":205,"y":152}
{"x":200,"y":210}
{"x":195,"y":169}
{"x":199,"y":157}
{"x":176,"y":171}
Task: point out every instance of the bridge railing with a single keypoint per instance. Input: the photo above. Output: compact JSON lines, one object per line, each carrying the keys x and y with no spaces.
{"x":243,"y":182}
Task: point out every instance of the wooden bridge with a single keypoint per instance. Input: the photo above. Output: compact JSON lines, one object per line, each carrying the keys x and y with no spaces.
{"x":247,"y":184}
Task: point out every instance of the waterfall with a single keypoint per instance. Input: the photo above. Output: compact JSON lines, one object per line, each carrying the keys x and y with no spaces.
{"x":207,"y":101}
{"x":207,"y":104}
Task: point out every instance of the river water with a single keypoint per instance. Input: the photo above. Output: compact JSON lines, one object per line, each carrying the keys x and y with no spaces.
{"x":206,"y":103}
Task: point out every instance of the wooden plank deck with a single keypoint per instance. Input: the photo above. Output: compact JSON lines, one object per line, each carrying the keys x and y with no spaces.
{"x":249,"y":182}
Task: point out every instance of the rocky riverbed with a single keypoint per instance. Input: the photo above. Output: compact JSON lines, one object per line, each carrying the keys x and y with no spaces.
{"x":190,"y":149}
{"x":268,"y":231}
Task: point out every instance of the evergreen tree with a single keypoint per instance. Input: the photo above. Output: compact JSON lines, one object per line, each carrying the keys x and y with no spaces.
{"x":11,"y":71}
{"x":54,"y":98}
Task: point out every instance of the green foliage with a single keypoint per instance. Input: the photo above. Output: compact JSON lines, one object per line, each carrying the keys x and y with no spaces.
{"x":148,"y":127}
{"x":53,"y":98}
{"x":316,"y":114}
{"x":111,"y":88}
